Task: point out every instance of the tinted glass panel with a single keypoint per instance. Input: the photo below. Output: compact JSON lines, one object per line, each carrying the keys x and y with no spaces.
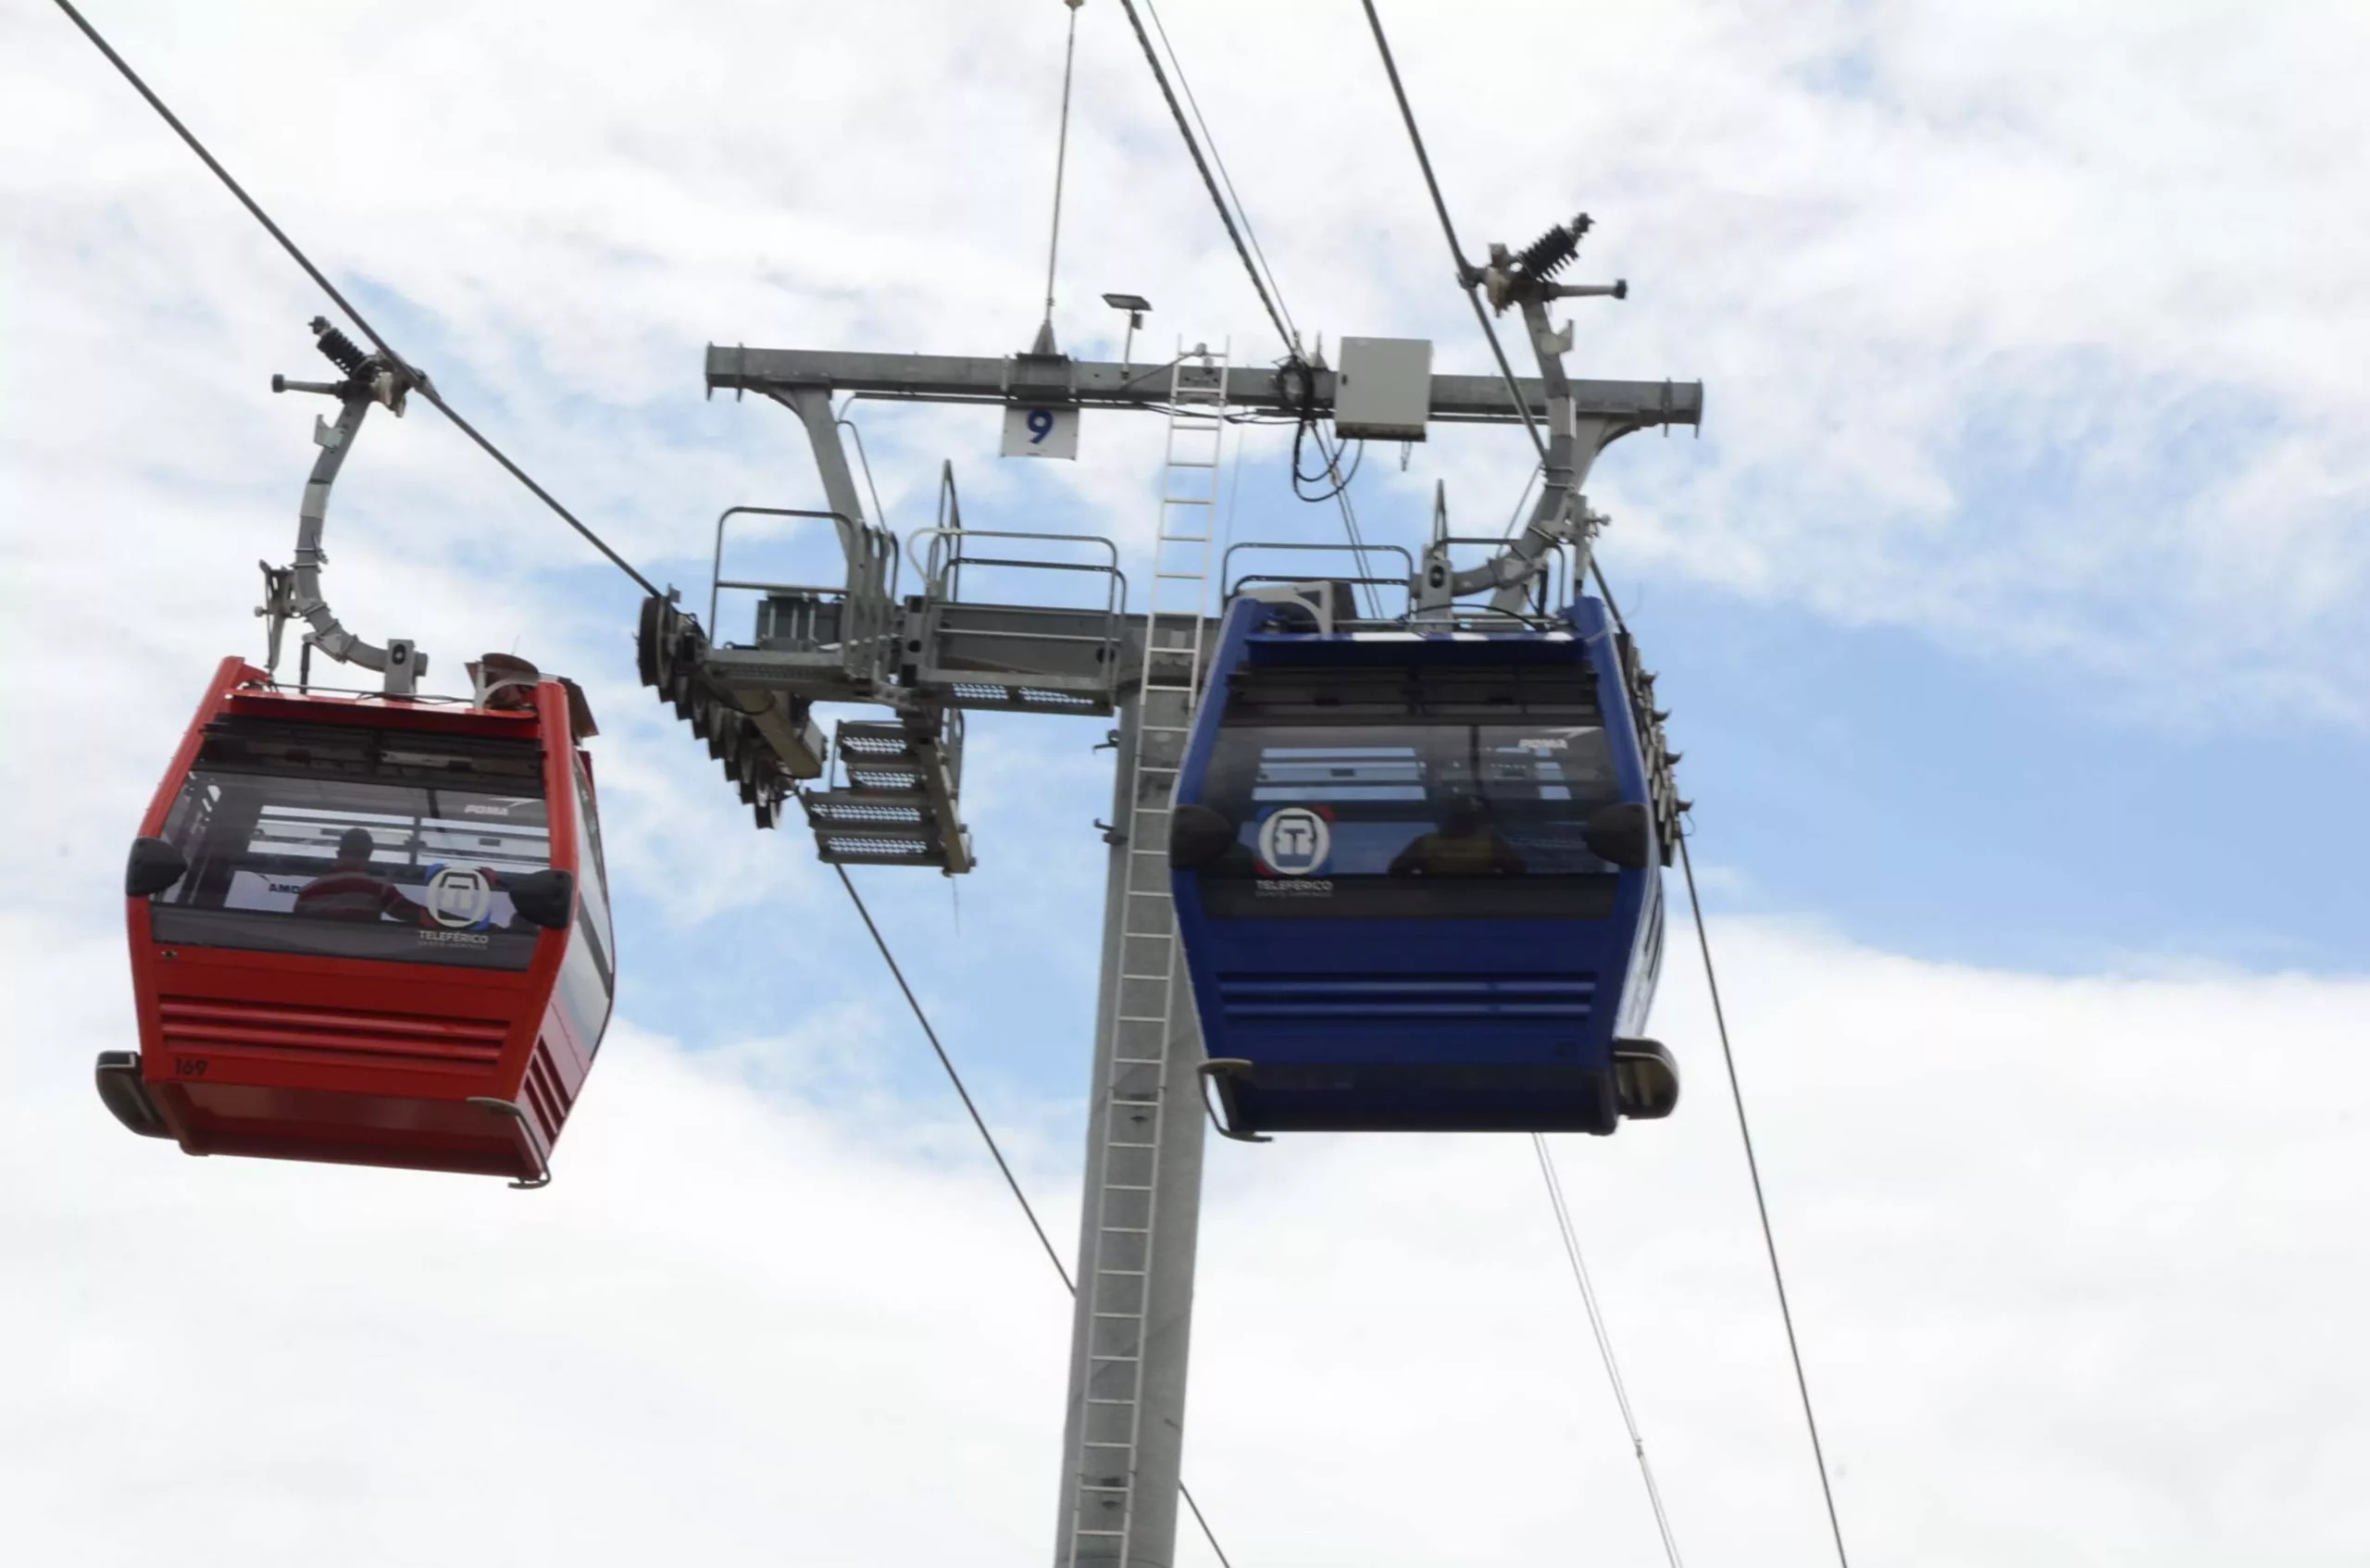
{"x":1421,"y":819}
{"x":1562,"y":691}
{"x":592,"y":871}
{"x":1411,"y":799}
{"x":587,"y":978}
{"x":358,"y":843}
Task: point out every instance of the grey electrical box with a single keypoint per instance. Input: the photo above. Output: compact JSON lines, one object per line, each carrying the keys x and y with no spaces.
{"x":404,"y":665}
{"x":1384,"y":388}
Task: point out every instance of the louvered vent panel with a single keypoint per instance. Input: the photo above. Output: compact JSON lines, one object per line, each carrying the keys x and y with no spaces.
{"x":543,"y":1094}
{"x":1498,"y":997}
{"x":324,"y":1035}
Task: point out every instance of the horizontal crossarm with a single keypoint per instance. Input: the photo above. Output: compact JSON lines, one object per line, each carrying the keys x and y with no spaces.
{"x":935,"y":378}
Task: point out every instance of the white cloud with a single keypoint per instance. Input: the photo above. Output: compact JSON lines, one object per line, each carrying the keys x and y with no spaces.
{"x":304,"y":1363}
{"x":2072,"y":1262}
{"x":2027,"y":328}
{"x":2020,"y":327}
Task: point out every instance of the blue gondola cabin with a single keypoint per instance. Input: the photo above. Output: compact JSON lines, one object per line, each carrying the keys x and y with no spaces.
{"x":1417,"y":873}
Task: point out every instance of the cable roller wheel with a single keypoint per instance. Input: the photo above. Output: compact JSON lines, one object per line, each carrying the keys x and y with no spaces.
{"x":653,"y":643}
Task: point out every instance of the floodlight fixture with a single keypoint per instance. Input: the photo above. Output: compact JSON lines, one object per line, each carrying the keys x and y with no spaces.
{"x":1135,"y":305}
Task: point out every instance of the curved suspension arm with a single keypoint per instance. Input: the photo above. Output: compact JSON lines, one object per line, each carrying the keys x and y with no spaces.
{"x":328,"y":634}
{"x":1555,"y":518}
{"x":1562,"y":471}
{"x":293,"y":592}
{"x":1558,"y":517}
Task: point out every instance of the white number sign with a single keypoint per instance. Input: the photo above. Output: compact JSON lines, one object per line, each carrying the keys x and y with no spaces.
{"x":1039,"y":430}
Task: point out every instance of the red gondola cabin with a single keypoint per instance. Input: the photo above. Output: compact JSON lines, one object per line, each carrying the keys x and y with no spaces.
{"x":368,"y":931}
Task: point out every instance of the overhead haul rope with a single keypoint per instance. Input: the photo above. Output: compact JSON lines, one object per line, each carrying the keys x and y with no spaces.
{"x":1284,"y":328}
{"x":1760,"y":1204}
{"x":1263,"y":279}
{"x":1231,"y":211}
{"x":956,"y":1078}
{"x":418,"y":378}
{"x":421,"y":385}
{"x":1469,"y":278}
{"x":1349,"y":513}
{"x":1010,"y":1180}
{"x":1185,"y":87}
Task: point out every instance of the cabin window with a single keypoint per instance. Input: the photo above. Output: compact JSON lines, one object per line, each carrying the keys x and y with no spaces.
{"x":1420,"y":820}
{"x":588,"y":976}
{"x":1649,"y":963}
{"x":356,"y":843}
{"x":1417,"y":800}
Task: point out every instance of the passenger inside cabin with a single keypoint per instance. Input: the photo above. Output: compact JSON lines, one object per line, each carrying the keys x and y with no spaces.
{"x":349,"y":892}
{"x":1464,"y":844}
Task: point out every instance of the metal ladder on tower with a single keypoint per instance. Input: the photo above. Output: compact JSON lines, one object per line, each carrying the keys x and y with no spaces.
{"x":1118,"y":1275}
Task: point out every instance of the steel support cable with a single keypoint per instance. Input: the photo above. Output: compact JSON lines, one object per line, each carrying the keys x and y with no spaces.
{"x":1208,"y":1534}
{"x":1760,"y":1204}
{"x":1570,"y":1234}
{"x":427,"y":390}
{"x":1233,"y":509}
{"x":418,"y":379}
{"x":1468,"y":277}
{"x":1350,"y":520}
{"x":1224,"y":178}
{"x":1061,"y":162}
{"x":1226,"y":216}
{"x":956,"y":1078}
{"x":1270,"y":293}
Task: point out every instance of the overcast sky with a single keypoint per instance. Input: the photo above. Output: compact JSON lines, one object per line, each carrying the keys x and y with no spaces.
{"x":2010,"y":605}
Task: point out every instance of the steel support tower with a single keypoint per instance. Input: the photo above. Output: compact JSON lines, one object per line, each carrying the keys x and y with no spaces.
{"x":891,"y":791}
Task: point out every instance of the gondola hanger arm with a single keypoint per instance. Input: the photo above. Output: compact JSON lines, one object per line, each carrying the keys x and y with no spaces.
{"x":293,"y":592}
{"x":1559,"y":516}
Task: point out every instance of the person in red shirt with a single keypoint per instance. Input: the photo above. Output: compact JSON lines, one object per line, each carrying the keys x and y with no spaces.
{"x":348,"y":890}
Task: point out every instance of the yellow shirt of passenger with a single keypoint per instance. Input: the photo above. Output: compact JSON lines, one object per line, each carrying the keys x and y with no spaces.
{"x":1457,"y":855}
